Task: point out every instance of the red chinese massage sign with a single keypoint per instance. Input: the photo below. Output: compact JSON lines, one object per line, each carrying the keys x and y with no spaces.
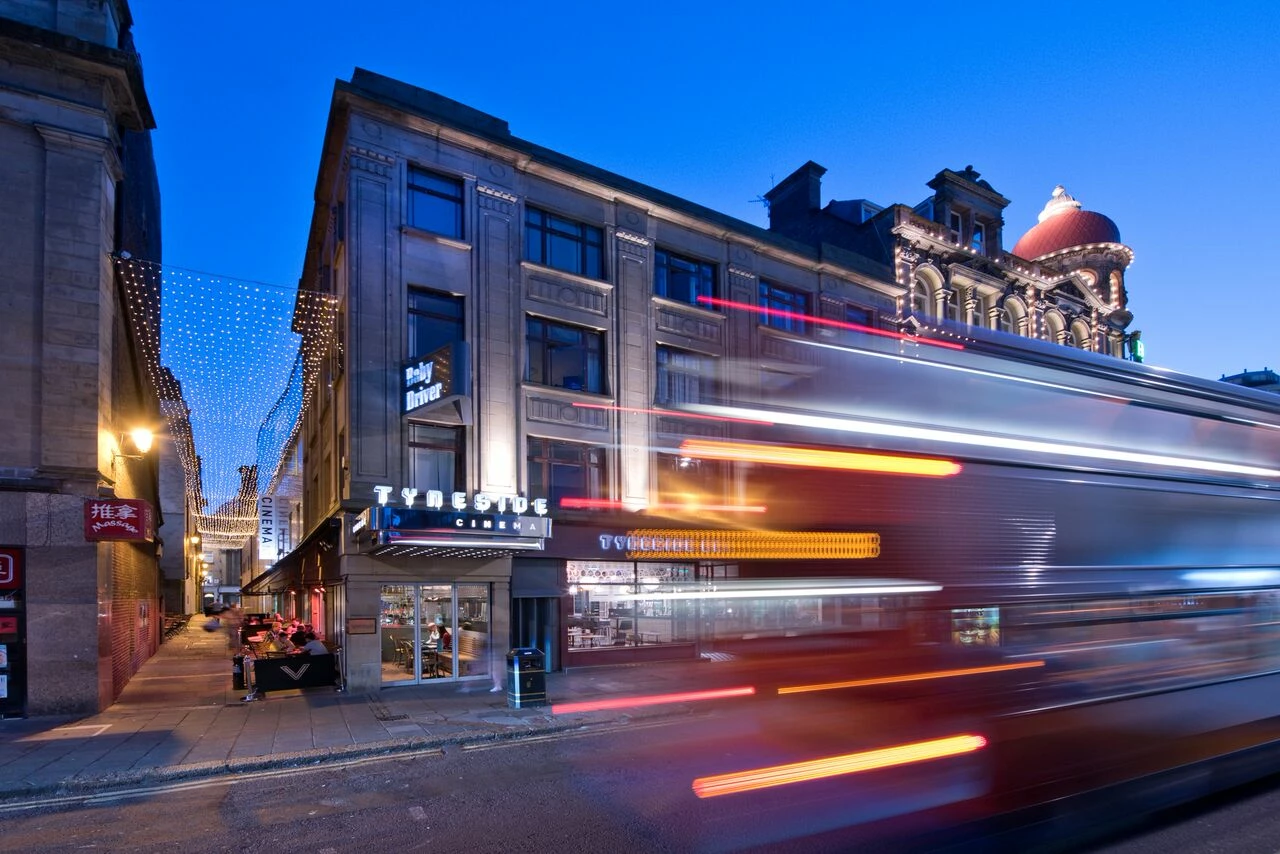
{"x":117,"y":519}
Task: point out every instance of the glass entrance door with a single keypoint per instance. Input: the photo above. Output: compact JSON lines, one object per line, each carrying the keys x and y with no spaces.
{"x":434,"y":631}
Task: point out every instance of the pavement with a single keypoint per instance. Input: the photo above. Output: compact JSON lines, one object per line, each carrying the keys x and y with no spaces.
{"x":180,"y":718}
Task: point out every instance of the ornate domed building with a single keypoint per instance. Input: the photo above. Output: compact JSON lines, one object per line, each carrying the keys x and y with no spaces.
{"x":1084,"y":251}
{"x":1063,"y":282}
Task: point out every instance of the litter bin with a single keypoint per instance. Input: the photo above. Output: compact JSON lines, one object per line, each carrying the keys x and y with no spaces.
{"x":237,"y":672}
{"x":526,"y":678}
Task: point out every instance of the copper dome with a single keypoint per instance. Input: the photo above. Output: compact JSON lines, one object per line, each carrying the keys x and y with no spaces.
{"x":1064,"y":225}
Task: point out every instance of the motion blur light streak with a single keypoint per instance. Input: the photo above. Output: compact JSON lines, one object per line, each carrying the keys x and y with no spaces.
{"x":834,"y":766}
{"x":651,"y":700}
{"x":784,"y":455}
{"x":689,"y":506}
{"x":910,"y":677}
{"x":823,"y":321}
{"x":673,"y":413}
{"x":703,"y":544}
{"x":930,"y":434}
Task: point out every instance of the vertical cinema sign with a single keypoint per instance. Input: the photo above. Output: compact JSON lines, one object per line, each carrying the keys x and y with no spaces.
{"x":268,"y":540}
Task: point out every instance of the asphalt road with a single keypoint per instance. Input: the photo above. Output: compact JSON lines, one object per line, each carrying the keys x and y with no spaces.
{"x":1245,"y":820}
{"x":625,"y":789}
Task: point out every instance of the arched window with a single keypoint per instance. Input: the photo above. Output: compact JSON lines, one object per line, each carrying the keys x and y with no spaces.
{"x":1055,"y":327}
{"x":1080,"y":336}
{"x":1013,"y":317}
{"x":920,"y":299}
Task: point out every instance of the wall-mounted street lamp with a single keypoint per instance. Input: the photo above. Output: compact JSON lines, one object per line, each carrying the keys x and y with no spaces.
{"x":140,"y":438}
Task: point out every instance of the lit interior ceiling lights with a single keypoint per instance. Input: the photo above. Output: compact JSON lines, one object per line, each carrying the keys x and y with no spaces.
{"x":886,"y":588}
{"x":931,"y":434}
{"x":784,"y":455}
{"x":834,"y":766}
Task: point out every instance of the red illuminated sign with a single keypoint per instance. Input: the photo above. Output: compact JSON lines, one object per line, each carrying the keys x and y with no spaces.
{"x":117,"y":519}
{"x":8,"y":625}
{"x":10,"y":569}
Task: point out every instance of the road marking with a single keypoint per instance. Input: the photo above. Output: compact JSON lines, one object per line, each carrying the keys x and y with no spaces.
{"x":417,"y":813}
{"x":226,"y":778}
{"x":577,"y":733}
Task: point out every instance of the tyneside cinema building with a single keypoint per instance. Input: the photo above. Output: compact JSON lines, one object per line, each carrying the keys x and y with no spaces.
{"x":493,"y":444}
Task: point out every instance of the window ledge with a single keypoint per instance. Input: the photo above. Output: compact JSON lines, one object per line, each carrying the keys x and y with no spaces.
{"x":531,"y":266}
{"x":414,"y":231}
{"x":709,"y":313}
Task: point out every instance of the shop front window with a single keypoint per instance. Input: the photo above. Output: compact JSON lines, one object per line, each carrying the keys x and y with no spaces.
{"x":434,"y":631}
{"x":623,"y":604}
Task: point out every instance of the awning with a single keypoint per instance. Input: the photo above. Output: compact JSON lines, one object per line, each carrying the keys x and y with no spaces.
{"x":313,"y":563}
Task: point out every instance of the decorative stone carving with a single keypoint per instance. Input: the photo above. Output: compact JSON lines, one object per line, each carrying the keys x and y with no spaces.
{"x":557,"y":411}
{"x":571,"y":294}
{"x":371,"y":161}
{"x":672,"y":320}
{"x":680,"y":428}
{"x":785,"y":350}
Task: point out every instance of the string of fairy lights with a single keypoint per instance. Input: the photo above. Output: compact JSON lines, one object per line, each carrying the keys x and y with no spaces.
{"x":234,"y":364}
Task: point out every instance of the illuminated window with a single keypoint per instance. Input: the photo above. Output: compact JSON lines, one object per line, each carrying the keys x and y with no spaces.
{"x":436,"y":458}
{"x":780,"y":299}
{"x":559,"y":470}
{"x":435,"y":319}
{"x":563,"y":244}
{"x":682,"y":279}
{"x":435,"y":203}
{"x":565,"y":356}
{"x":684,"y":377}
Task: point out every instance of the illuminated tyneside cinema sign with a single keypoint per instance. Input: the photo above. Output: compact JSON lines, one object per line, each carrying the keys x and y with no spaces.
{"x":676,"y":544}
{"x":456,"y":512}
{"x":435,"y":377}
{"x":481,"y":502}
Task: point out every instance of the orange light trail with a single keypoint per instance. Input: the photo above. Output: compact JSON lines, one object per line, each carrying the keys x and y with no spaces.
{"x":614,"y":504}
{"x":834,"y":766}
{"x":673,"y":413}
{"x":823,"y":321}
{"x":650,"y":700}
{"x":911,"y":677}
{"x":814,"y":458}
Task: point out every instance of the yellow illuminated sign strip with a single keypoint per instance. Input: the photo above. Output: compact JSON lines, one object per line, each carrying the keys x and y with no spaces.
{"x":681,"y":544}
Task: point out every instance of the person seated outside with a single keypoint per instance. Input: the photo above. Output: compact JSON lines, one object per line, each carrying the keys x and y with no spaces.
{"x":277,"y":640}
{"x":314,"y":646}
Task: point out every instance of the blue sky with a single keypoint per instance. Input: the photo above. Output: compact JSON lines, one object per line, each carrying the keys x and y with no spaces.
{"x":1162,"y":116}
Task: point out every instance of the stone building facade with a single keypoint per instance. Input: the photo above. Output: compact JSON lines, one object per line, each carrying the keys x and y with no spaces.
{"x":512,"y":328}
{"x":79,"y":183}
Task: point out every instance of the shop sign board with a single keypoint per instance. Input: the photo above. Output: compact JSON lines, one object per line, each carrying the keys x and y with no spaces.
{"x":434,"y":378}
{"x":118,"y":519}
